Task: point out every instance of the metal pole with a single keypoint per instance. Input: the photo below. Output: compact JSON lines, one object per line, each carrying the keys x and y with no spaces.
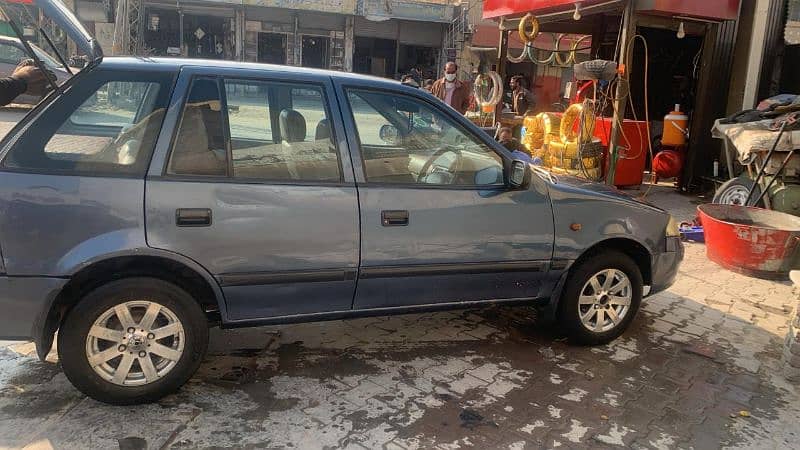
{"x":502,"y":61}
{"x":620,"y":100}
{"x":760,"y":173}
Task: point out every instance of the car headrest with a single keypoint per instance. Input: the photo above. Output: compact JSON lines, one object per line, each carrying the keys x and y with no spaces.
{"x":323,"y":130}
{"x":293,"y":126}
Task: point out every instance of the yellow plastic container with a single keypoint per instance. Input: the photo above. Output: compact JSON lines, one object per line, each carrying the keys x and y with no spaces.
{"x":675,"y":125}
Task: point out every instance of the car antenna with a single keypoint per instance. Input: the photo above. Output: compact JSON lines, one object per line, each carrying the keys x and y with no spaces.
{"x":38,"y":62}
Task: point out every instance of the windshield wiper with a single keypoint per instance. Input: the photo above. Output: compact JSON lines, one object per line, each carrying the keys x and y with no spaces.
{"x":50,"y":43}
{"x":38,"y":62}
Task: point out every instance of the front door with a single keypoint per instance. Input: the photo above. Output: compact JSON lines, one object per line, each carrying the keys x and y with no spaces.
{"x":254,"y":190}
{"x":438,"y":223}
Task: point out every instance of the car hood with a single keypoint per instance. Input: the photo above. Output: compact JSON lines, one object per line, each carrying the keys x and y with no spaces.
{"x":592,"y":189}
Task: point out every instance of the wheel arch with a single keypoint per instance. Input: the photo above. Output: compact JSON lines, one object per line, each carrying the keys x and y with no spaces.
{"x":184,"y":273}
{"x":630,"y":247}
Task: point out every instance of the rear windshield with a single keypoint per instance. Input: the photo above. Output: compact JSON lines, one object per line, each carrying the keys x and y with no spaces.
{"x":105,"y":124}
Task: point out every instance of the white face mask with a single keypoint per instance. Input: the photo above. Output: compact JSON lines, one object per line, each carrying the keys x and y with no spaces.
{"x":450,"y":77}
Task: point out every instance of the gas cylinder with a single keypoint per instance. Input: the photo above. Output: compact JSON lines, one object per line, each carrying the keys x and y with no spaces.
{"x":675,"y":126}
{"x":667,"y":163}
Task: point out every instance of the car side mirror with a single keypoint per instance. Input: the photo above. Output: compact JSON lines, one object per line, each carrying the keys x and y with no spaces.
{"x":388,"y":134}
{"x":519,"y":176}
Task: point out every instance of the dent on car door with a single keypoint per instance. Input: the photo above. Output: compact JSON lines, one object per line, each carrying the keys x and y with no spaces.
{"x":438,"y":222}
{"x":268,"y":211}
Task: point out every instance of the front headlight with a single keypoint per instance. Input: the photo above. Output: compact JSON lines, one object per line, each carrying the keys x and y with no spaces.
{"x":673,"y":229}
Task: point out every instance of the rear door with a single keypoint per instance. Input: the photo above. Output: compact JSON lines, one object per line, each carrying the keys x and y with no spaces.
{"x":253,"y":186}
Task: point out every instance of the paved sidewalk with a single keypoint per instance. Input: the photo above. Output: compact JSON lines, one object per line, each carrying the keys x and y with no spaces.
{"x":699,"y":368}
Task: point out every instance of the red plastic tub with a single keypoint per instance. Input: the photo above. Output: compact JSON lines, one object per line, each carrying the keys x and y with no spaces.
{"x":751,"y":241}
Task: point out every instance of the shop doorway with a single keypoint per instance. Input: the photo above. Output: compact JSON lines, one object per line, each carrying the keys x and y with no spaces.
{"x":272,"y":48}
{"x":423,"y":57}
{"x":375,"y":56}
{"x":205,"y":36}
{"x":162,"y":33}
{"x":673,"y":72}
{"x":315,"y":51}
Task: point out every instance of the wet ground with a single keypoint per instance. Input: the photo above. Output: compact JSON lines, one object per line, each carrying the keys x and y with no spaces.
{"x":699,"y":368}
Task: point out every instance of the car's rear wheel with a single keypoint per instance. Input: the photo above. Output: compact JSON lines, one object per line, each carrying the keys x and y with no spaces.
{"x":132,"y":341}
{"x":601,"y":297}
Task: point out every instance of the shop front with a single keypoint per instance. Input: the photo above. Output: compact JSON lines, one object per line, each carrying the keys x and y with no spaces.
{"x":196,"y":30}
{"x":668,"y":53}
{"x":298,"y":37}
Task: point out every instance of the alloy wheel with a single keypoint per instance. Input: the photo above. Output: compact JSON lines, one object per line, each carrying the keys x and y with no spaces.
{"x":135,"y":343}
{"x":605,"y":300}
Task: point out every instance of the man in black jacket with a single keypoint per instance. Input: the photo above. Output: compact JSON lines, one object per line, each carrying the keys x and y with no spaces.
{"x":26,"y":78}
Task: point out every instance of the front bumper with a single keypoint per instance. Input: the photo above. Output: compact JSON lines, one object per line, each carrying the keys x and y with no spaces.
{"x":24,"y":302}
{"x":665,"y":265}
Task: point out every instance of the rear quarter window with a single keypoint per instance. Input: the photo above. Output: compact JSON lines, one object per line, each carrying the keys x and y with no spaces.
{"x":106,"y":124}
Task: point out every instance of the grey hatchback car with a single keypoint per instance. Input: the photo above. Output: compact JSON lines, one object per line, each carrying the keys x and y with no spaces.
{"x":147,"y":199}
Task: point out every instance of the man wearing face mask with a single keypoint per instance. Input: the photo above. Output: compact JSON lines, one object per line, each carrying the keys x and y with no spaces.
{"x":451,"y":90}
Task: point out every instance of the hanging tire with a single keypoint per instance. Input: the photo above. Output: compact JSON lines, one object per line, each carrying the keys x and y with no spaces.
{"x":736,"y":190}
{"x":132,"y":341}
{"x":601,"y":298}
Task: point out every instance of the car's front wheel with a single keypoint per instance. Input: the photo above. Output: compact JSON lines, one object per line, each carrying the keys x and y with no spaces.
{"x":601,"y":297}
{"x":132,"y":341}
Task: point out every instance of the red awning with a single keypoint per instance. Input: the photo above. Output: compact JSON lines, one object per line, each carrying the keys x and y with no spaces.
{"x":489,"y":36}
{"x":704,"y":9}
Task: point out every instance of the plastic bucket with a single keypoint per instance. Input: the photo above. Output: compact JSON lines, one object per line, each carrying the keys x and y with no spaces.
{"x":751,"y":241}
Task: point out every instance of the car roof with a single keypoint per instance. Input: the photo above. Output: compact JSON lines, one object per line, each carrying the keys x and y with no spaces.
{"x":130,"y":62}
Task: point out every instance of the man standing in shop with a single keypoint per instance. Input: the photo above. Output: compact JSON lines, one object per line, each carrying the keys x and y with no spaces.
{"x":522,"y":99}
{"x":451,"y":90}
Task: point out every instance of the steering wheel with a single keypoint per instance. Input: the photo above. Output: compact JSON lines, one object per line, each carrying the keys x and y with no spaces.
{"x":446,"y":176}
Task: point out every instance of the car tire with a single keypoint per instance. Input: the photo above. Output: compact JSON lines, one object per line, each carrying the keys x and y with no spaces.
{"x":593,"y":311}
{"x":138,"y":357}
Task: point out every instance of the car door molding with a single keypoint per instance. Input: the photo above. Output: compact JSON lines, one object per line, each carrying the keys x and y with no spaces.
{"x":287,"y":277}
{"x":421,"y":270}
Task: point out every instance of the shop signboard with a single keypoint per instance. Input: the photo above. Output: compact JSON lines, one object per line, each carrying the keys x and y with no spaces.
{"x":330,"y":6}
{"x":422,"y":10}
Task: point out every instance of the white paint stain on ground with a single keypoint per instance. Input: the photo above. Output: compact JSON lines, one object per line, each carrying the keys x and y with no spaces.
{"x":555,"y":413}
{"x":622,"y":354}
{"x":576,"y":432}
{"x":574,"y":395}
{"x":664,"y":442}
{"x":615,"y":435}
{"x":610,"y":398}
{"x":508,"y":409}
{"x":532,"y":426}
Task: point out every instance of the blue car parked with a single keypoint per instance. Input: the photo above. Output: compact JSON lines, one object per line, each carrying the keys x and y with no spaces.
{"x":146,"y":199}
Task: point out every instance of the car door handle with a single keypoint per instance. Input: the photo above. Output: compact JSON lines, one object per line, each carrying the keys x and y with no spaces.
{"x":193,"y":217}
{"x":394,"y":218}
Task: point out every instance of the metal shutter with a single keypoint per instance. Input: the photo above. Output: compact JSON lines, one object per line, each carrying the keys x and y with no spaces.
{"x":367,"y":28}
{"x":428,"y":34}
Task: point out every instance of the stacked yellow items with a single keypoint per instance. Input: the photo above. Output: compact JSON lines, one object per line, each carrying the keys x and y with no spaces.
{"x":565,"y":144}
{"x":539,"y":131}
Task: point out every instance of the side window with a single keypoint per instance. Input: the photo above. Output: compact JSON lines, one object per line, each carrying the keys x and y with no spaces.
{"x":276,"y":131}
{"x":300,"y":149}
{"x":405,"y":140}
{"x":98,"y":127}
{"x":248,"y":111}
{"x":199,"y":145}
